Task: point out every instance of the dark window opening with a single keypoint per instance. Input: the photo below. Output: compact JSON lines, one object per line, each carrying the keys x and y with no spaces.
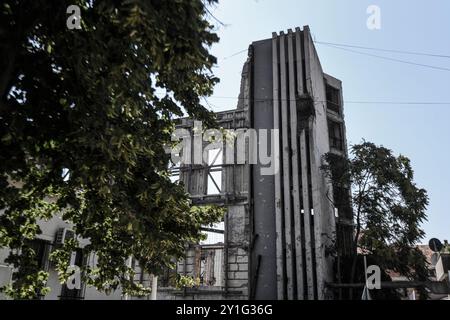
{"x":41,"y":251}
{"x":335,"y":135}
{"x":342,"y":201}
{"x":333,"y":99}
{"x":345,"y":239}
{"x":168,"y":277}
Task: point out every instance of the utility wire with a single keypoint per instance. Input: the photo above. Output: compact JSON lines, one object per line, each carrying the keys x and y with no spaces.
{"x":345,"y":101}
{"x":398,"y":102}
{"x":343,"y":46}
{"x":384,"y":50}
{"x":235,"y":54}
{"x":390,"y":59}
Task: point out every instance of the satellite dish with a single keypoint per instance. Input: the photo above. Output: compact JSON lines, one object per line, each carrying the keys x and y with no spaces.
{"x":435,"y":245}
{"x":434,"y":258}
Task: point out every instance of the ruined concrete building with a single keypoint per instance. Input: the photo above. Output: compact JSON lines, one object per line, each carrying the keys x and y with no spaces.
{"x":276,"y":238}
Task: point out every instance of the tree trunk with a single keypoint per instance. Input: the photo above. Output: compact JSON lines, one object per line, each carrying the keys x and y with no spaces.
{"x":355,"y":252}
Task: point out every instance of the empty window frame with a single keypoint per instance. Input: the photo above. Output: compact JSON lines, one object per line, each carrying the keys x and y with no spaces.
{"x":214,"y":234}
{"x":168,"y":277}
{"x":41,"y":250}
{"x":335,"y":134}
{"x":342,"y":201}
{"x":209,"y":265}
{"x":333,"y":97}
{"x":214,"y":172}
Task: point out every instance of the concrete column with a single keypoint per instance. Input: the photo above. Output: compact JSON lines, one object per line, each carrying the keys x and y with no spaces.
{"x":278,"y":207}
{"x":154,"y":288}
{"x":286,"y":169}
{"x":295,"y":170}
{"x":299,"y":58}
{"x":306,"y":215}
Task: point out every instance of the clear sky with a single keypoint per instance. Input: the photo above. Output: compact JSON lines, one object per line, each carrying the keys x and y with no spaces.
{"x":418,"y":131}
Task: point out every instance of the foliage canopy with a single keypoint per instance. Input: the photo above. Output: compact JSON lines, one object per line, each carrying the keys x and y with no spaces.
{"x":84,"y":118}
{"x":388,"y":208}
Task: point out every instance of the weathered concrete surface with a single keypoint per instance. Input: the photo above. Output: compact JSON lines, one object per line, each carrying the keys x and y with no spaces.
{"x":264,"y":249}
{"x":277,"y":227}
{"x":302,"y":214}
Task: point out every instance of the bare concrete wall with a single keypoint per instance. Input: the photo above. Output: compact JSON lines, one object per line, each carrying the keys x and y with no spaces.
{"x":324,"y":222}
{"x":299,"y":228}
{"x":277,"y":227}
{"x":264,"y":251}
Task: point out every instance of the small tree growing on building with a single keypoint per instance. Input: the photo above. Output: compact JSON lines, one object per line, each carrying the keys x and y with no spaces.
{"x":388,"y":209}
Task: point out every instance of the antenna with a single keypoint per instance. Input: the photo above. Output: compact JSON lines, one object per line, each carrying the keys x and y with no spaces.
{"x":435,"y":245}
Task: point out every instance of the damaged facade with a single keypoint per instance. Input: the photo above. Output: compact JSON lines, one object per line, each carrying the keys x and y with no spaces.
{"x":280,"y":230}
{"x":277,"y":237}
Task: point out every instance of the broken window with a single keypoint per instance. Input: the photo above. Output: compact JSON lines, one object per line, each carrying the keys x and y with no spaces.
{"x":342,"y":201}
{"x":168,"y":277}
{"x":41,"y":249}
{"x":209,"y":265}
{"x":336,"y":135}
{"x":333,"y":98}
{"x":214,"y":169}
{"x":214,"y":234}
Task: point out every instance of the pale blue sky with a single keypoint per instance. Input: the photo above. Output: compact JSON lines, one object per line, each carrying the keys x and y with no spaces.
{"x":420,"y":132}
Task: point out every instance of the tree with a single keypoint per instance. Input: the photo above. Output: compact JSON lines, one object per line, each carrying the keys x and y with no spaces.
{"x":85,"y":115}
{"x":388,"y":209}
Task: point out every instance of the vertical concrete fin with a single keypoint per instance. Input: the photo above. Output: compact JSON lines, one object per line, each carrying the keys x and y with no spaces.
{"x":319,"y":213}
{"x":299,"y":58}
{"x":286,"y":168}
{"x":278,"y":208}
{"x":295,"y":170}
{"x":306,"y":43}
{"x":306,"y":215}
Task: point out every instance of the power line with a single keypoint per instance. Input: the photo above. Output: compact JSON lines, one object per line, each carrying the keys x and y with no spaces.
{"x":390,"y":59}
{"x":398,"y":102}
{"x":235,"y":54}
{"x":385,"y":50}
{"x":345,"y":101}
{"x":343,"y":46}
